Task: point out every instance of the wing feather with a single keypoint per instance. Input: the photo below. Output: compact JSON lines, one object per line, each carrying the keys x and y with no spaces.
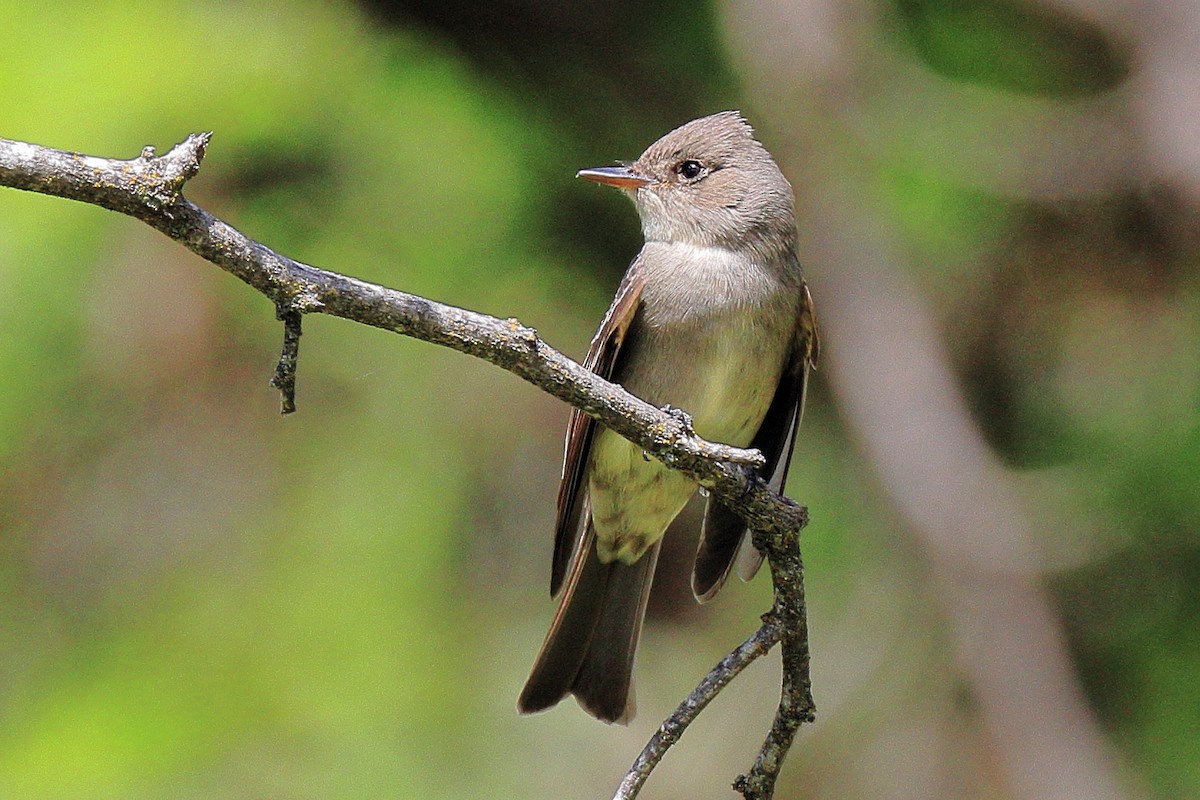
{"x":571,"y":526}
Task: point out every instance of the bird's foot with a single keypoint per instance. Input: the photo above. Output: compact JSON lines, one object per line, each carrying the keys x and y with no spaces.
{"x":681,"y":416}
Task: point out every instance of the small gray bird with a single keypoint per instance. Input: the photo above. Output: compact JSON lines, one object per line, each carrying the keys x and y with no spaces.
{"x":713,"y":317}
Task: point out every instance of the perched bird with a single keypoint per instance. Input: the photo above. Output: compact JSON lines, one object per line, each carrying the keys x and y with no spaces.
{"x":713,"y":317}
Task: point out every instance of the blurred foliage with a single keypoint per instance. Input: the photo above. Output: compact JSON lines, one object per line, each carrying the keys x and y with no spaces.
{"x":186,"y":600}
{"x":201,"y":599}
{"x":1017,"y":46}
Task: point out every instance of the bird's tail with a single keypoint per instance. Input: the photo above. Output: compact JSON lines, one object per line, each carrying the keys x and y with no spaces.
{"x":590,"y":648}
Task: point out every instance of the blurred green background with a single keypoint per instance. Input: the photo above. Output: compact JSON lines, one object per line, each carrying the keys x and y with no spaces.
{"x":202,"y":599}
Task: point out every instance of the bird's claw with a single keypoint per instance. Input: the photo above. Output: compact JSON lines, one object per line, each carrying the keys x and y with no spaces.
{"x":681,"y":416}
{"x":752,"y":477}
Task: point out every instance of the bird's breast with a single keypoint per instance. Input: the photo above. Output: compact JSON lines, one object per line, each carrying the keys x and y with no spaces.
{"x":710,"y":338}
{"x":689,"y":282}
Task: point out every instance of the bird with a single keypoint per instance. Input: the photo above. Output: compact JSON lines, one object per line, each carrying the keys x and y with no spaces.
{"x":712,"y":318}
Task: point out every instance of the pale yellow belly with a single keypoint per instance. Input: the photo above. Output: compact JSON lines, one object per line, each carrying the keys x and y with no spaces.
{"x":634,"y":497}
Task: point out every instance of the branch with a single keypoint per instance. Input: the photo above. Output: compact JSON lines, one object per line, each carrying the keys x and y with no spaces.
{"x":786,"y":622}
{"x":149,"y":188}
{"x":789,"y":619}
{"x":673,"y":727}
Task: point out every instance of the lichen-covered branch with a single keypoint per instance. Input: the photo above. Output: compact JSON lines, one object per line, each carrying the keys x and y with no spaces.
{"x":150,"y":188}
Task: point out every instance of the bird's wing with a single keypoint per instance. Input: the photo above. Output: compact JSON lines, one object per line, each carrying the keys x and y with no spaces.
{"x":570,"y":529}
{"x":723,"y":530}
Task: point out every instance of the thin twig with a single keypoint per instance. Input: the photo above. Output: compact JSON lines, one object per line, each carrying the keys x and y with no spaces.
{"x":672,"y":728}
{"x":790,"y":616}
{"x":284,"y":378}
{"x":786,"y":622}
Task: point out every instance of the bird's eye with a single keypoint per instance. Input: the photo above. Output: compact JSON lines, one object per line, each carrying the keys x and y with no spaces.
{"x":689,"y":170}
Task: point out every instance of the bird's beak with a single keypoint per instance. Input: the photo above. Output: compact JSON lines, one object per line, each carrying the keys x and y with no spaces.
{"x":621,"y":177}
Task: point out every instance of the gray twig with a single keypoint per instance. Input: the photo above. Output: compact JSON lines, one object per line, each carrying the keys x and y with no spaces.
{"x":673,"y":726}
{"x":786,"y":622}
{"x":789,"y":617}
{"x":284,"y":378}
{"x":150,"y":188}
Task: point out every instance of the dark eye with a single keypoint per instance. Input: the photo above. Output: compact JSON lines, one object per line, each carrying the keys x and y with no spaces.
{"x":689,"y":170}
